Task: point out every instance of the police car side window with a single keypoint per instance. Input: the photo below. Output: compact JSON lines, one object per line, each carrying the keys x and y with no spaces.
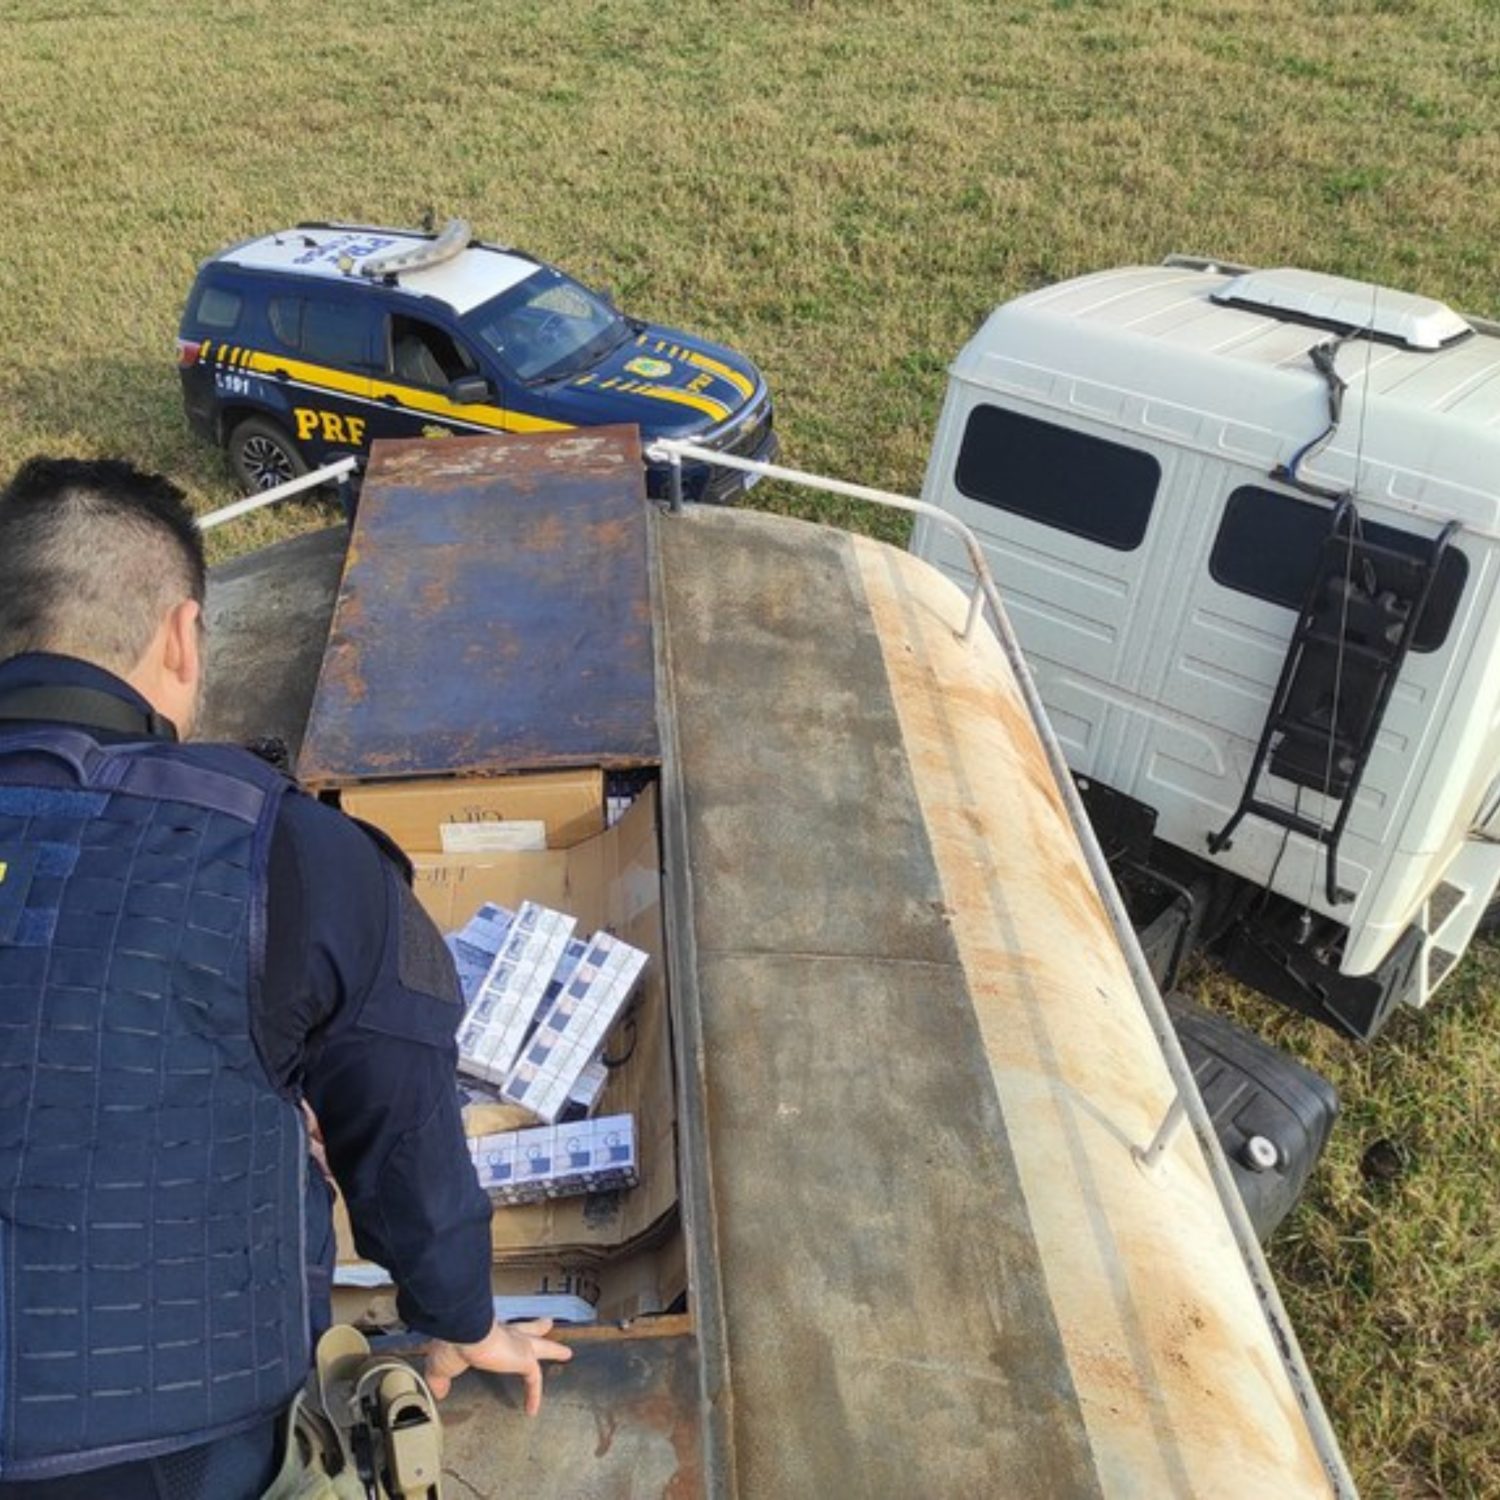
{"x":334,"y":333}
{"x":286,"y":320}
{"x":419,"y":353}
{"x":219,"y":308}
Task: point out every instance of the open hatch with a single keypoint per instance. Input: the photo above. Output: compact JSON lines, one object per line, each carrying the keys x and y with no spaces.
{"x":487,"y":699}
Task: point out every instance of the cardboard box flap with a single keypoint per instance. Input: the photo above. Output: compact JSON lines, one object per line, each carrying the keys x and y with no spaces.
{"x":494,"y":614}
{"x":422,"y":816}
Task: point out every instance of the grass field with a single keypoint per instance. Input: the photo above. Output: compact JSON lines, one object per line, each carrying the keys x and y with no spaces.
{"x":842,"y":191}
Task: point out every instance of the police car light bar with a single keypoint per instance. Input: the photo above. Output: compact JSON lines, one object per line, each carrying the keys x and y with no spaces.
{"x":453,"y":241}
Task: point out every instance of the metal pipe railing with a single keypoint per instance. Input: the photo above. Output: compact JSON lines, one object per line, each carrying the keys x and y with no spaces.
{"x":338,"y":470}
{"x":673,"y":450}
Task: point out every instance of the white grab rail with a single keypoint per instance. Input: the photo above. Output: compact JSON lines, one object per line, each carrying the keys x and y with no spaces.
{"x":674,"y":450}
{"x":232,"y":512}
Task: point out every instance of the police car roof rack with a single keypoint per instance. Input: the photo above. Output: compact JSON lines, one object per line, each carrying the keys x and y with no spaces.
{"x":448,"y":245}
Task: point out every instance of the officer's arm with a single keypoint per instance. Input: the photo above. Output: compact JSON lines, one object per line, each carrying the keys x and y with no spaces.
{"x":380,"y":1072}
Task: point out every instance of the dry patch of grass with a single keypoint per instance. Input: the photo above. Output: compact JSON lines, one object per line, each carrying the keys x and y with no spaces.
{"x":842,"y":190}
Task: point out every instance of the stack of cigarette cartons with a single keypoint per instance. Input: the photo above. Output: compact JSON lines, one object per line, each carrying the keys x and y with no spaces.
{"x":475,"y":945}
{"x":628,"y":1244}
{"x":570,"y":1030}
{"x":553,"y":1161}
{"x":504,"y":1007}
{"x":538,"y":1015}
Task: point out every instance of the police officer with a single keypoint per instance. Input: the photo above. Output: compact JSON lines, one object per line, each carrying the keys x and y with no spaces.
{"x":190,"y":948}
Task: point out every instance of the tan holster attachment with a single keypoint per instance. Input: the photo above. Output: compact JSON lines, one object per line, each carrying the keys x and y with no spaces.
{"x":365,"y":1428}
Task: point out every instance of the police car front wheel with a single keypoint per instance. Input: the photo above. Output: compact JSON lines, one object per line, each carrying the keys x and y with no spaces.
{"x":263,"y":456}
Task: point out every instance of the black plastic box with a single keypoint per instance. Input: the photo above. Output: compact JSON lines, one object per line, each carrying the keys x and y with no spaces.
{"x":1273,"y":1116}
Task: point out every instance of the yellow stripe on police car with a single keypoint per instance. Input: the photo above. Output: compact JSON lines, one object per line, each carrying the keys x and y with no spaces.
{"x":723,"y":371}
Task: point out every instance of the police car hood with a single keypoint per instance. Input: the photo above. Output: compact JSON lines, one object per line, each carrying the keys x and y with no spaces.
{"x":663,"y":380}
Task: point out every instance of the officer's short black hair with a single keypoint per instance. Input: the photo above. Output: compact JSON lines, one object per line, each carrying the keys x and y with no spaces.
{"x":93,"y":555}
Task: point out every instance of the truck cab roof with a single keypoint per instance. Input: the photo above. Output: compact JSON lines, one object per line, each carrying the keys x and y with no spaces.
{"x":1204,"y":353}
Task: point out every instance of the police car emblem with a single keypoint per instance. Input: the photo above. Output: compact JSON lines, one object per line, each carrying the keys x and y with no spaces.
{"x":652,"y":369}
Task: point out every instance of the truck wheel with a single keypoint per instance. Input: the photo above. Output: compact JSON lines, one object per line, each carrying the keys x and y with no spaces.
{"x":1489,"y":923}
{"x":262,"y":455}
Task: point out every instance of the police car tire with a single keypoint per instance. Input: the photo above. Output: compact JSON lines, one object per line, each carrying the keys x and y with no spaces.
{"x":258,"y":448}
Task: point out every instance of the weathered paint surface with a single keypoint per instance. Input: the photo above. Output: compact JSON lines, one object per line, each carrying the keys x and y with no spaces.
{"x":494,"y":612}
{"x":1174,"y":1363}
{"x":619,"y":1422}
{"x":886,"y":1323}
{"x":267,"y":621}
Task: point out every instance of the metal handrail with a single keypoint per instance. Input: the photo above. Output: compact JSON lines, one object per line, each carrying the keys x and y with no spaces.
{"x":673,"y":450}
{"x":233,"y":511}
{"x":1187,"y":1104}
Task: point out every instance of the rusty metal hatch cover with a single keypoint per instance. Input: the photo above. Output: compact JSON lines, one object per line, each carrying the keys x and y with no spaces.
{"x":494,"y":614}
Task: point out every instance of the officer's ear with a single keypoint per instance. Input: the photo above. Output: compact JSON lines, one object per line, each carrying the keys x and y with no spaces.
{"x":183,"y":658}
{"x":182,"y":662}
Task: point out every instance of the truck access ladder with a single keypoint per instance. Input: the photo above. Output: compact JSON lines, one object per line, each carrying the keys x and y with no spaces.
{"x":1358,"y":620}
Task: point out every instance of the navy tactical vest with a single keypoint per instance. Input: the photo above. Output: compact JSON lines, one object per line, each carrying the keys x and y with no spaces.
{"x":152,"y":1285}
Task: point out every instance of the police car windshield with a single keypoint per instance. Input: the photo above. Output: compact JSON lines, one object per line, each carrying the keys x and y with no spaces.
{"x":548,"y":326}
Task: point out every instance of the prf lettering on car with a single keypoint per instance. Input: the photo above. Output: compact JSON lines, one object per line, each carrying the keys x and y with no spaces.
{"x":350,"y":247}
{"x":334,"y":428}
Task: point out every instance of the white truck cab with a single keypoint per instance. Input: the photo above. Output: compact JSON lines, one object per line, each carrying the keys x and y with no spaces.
{"x":1245,"y":526}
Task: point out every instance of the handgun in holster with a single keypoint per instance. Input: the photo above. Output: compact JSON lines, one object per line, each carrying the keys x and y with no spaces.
{"x":382,"y":1417}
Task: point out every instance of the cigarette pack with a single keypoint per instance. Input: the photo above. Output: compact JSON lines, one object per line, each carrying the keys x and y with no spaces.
{"x":475,"y":945}
{"x":571,"y":1030}
{"x":495,"y":1026}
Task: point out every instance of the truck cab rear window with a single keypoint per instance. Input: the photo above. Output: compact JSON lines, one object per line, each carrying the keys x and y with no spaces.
{"x":1268,"y":546}
{"x":1086,"y":485}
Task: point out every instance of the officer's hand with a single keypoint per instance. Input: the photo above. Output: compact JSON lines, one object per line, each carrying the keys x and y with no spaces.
{"x":508,"y":1349}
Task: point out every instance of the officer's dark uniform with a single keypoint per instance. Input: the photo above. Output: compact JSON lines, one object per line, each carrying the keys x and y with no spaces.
{"x":186,"y":945}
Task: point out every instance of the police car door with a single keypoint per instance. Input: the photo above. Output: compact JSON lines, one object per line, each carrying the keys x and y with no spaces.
{"x":321,"y":359}
{"x":430,"y":383}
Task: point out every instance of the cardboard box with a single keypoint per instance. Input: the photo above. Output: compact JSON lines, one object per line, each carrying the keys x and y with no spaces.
{"x":643,"y":1282}
{"x":611,"y":881}
{"x":416,"y":813}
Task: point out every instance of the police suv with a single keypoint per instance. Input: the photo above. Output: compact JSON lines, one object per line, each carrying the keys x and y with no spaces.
{"x":300,"y":347}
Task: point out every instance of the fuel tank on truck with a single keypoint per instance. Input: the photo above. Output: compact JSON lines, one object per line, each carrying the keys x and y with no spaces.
{"x":915,"y":1217}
